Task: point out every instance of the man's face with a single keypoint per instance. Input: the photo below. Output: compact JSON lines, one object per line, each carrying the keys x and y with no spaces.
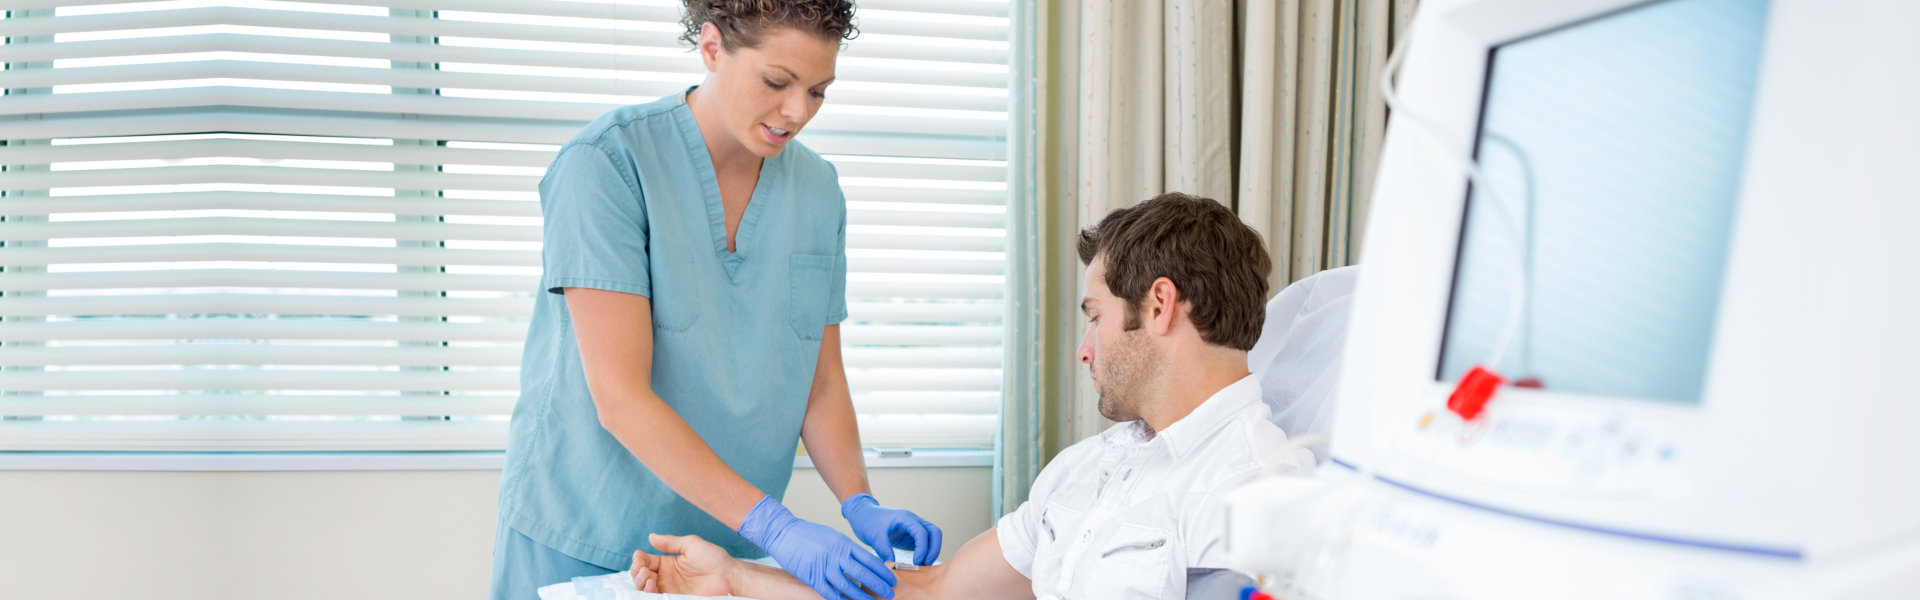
{"x":1122,"y":362}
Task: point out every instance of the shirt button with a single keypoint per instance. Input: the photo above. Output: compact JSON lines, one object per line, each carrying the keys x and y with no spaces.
{"x":1086,"y":535}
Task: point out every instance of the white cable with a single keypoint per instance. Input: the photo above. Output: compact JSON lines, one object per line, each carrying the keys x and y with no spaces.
{"x":1436,"y":136}
{"x":1322,"y":562}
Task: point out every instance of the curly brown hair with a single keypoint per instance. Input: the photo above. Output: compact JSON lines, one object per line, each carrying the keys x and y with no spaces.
{"x":743,"y":22}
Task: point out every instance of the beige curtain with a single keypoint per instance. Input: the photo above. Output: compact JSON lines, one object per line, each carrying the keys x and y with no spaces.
{"x":1269,"y":106}
{"x":1311,"y":123}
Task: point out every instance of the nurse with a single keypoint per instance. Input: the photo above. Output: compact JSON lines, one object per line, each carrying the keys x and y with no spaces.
{"x":686,"y":336}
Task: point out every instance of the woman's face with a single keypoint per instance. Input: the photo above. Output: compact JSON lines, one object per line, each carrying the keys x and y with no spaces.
{"x":767,"y":94}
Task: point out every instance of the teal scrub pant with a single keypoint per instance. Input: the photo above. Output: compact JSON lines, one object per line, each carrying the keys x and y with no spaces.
{"x":522,"y":566}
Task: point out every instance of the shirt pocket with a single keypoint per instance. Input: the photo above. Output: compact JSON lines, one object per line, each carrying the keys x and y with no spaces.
{"x":811,"y":276}
{"x":1134,"y":562}
{"x":674,"y":312}
{"x":1057,"y":524}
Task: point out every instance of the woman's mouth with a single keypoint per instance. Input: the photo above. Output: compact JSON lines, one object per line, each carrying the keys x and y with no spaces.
{"x":775,"y":135}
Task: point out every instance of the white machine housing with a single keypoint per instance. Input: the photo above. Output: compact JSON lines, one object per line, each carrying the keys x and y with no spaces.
{"x":1804,"y":447}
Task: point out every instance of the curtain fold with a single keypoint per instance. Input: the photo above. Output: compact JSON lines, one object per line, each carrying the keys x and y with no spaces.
{"x":1269,"y":106}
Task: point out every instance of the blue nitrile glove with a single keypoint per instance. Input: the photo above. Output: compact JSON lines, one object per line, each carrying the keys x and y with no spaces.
{"x":888,"y":528}
{"x":816,"y":554}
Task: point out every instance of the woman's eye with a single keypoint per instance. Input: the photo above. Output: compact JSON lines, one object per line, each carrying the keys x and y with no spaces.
{"x":773,"y":85}
{"x":820,"y":95}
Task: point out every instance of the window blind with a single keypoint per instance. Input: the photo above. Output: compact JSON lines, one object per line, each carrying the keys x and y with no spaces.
{"x":258,"y":225}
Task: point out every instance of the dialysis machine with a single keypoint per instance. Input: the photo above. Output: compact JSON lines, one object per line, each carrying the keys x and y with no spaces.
{"x":1691,"y":239}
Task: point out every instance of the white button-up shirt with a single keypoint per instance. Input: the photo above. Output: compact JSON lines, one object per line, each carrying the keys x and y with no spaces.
{"x":1123,"y":515}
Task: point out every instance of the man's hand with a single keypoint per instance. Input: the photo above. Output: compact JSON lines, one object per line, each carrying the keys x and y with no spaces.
{"x":693,"y":567}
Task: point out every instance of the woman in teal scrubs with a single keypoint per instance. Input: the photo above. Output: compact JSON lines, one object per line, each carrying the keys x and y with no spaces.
{"x":686,"y":335}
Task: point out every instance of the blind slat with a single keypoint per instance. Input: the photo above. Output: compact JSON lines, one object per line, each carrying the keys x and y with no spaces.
{"x":278,"y":253}
{"x":412,"y":155}
{"x":923,"y":359}
{"x":263,"y":304}
{"x":290,"y":379}
{"x":660,"y":37}
{"x":175,"y":201}
{"x":262,"y":278}
{"x":204,"y":226}
{"x":287,"y":176}
{"x":152,"y":436}
{"x":250,"y":405}
{"x":917,"y":73}
{"x":851,"y":95}
{"x":260,"y":354}
{"x":153,"y":121}
{"x":980,"y":8}
{"x":254,"y":329}
{"x":830,"y":117}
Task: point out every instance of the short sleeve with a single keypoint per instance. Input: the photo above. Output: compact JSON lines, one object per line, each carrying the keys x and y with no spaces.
{"x":1018,"y":531}
{"x":1203,"y":522}
{"x":594,"y":233}
{"x":837,"y":300}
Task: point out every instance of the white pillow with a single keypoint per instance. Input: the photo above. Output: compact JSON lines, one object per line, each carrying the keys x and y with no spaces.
{"x":1298,"y":356}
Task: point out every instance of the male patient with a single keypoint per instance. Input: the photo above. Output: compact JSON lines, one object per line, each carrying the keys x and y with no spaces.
{"x":1176,"y":290}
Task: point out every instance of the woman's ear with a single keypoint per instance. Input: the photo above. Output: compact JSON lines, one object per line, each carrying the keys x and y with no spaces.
{"x":710,"y":46}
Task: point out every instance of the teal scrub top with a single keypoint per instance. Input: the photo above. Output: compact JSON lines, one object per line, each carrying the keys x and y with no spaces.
{"x":631,"y":205}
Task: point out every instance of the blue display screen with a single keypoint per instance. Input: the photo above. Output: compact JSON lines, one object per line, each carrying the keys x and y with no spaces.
{"x":1616,"y":145}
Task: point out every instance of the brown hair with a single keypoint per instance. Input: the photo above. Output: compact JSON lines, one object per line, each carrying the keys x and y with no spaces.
{"x":742,"y":22}
{"x":1217,"y":262}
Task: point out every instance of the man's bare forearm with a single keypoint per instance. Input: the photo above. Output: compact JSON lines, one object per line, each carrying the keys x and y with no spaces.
{"x":755,"y":580}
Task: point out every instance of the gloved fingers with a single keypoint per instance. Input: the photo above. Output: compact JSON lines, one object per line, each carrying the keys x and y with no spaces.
{"x":880,"y":543}
{"x":873,"y":566}
{"x":910,"y":533}
{"x":858,"y":575}
{"x":925,"y":555}
{"x":828,"y":592}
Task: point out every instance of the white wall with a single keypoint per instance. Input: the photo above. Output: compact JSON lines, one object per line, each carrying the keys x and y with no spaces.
{"x":325,"y":534}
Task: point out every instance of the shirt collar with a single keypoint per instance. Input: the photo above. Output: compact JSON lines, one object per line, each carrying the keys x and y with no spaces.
{"x":1183,"y":435}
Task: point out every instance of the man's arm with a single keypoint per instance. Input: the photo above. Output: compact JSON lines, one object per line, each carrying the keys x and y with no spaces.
{"x":977,"y":571}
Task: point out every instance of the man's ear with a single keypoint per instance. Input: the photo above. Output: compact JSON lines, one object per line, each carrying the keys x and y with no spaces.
{"x":1162,"y":300}
{"x":710,"y":47}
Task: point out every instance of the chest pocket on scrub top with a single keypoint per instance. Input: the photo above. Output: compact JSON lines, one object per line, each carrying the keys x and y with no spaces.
{"x":674,"y":312}
{"x":811,"y":277}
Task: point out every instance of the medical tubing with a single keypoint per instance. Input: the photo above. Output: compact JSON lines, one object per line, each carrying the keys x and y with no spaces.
{"x":1436,"y":137}
{"x":1370,"y":470}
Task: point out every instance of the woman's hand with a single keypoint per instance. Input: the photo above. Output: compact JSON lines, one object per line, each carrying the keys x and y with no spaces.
{"x":886,"y":528}
{"x":693,"y":567}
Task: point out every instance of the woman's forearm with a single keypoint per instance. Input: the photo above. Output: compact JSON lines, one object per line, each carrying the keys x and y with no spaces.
{"x":670,"y":448}
{"x":831,"y":431}
{"x":615,"y":334}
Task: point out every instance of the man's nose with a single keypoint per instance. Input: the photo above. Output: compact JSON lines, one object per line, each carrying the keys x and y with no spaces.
{"x":1086,"y":348}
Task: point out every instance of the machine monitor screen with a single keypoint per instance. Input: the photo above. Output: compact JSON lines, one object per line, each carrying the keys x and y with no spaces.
{"x":1615,"y":145}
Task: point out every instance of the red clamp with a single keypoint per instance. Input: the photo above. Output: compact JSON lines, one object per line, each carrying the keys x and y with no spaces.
{"x":1475,"y":389}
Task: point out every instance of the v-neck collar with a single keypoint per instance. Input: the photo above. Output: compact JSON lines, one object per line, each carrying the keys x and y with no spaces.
{"x":710,"y":192}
